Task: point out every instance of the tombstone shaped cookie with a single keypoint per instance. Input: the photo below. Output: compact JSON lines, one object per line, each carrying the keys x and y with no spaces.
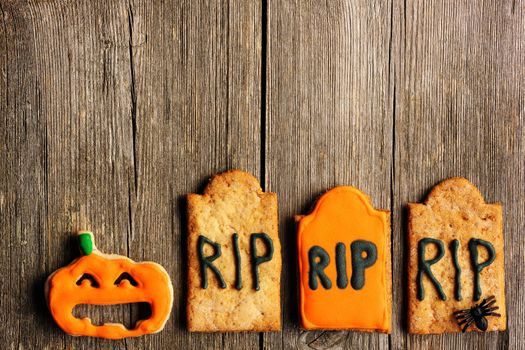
{"x":108,"y":279}
{"x":344,"y":263}
{"x":234,"y":256}
{"x":456,"y":265}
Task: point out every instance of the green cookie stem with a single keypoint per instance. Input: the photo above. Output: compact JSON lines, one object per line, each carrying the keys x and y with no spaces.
{"x":85,"y":242}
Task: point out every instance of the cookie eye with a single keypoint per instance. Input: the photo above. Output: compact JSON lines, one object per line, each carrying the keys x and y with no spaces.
{"x":92,"y":281}
{"x":126,"y":276}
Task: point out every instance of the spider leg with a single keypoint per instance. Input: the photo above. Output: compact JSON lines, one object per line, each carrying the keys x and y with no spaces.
{"x":467,"y":325}
{"x":485,"y":310}
{"x":459,"y":317}
{"x":493,"y":314}
{"x":488,"y":304}
{"x":466,"y":320}
{"x":487,"y":300}
{"x":461,"y":312}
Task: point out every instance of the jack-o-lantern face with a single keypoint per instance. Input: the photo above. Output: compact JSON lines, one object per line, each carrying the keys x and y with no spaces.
{"x":101,"y":279}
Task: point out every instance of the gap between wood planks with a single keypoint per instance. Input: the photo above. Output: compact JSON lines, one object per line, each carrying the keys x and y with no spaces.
{"x":263,"y":120}
{"x":133,"y":115}
{"x":392,"y":85}
{"x":132,"y":187}
{"x":264,"y":34}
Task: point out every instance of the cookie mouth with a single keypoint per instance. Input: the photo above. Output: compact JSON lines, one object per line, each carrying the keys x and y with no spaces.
{"x":127,"y":314}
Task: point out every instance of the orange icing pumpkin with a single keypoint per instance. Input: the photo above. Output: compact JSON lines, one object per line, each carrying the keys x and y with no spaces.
{"x":344,"y":263}
{"x":101,"y":279}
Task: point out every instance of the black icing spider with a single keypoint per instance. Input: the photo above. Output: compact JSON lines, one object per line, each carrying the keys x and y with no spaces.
{"x":477,"y":314}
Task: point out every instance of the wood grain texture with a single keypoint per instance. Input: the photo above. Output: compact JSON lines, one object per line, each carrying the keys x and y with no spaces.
{"x":197,"y":87}
{"x":459,"y":112}
{"x":328,"y":123}
{"x":111,"y":111}
{"x":67,"y":152}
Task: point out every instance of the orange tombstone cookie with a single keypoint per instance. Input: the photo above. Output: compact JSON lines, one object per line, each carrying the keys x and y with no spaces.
{"x":344,"y":263}
{"x":102,"y":279}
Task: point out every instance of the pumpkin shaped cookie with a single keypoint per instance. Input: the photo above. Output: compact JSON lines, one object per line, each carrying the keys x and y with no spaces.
{"x":102,"y":279}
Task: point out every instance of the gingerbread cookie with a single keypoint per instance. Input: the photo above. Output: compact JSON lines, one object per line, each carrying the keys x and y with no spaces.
{"x":234,"y":256}
{"x":101,"y":279}
{"x":456,"y":262}
{"x":344,"y":263}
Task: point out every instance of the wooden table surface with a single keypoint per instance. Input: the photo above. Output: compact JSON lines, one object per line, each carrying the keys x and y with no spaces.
{"x":111,"y":111}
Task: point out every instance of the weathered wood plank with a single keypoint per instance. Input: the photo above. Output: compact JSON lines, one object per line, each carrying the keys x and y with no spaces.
{"x":196,"y":67}
{"x":459,"y":69}
{"x":67,"y":152}
{"x":329,"y":106}
{"x":113,"y":111}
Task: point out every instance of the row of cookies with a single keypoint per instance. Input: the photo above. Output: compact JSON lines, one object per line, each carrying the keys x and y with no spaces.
{"x":455,"y":265}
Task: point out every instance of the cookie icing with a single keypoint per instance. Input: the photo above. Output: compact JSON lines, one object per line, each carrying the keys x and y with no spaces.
{"x":96,"y":278}
{"x":344,"y":236}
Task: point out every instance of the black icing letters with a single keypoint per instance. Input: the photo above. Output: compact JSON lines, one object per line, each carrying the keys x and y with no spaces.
{"x":318,"y":259}
{"x":237,"y":256}
{"x":206,"y":262}
{"x":340,"y":264}
{"x":360,"y":263}
{"x":423,"y":266}
{"x":477,"y":267}
{"x":454,"y":246}
{"x":363,"y":254}
{"x":259,"y":259}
